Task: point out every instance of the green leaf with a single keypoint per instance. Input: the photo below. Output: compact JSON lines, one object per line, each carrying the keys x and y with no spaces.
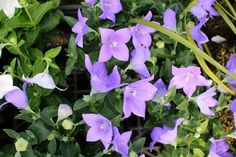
{"x":198,"y":153}
{"x":40,"y":130}
{"x":162,"y":52}
{"x":70,"y":20}
{"x":52,"y":53}
{"x":170,"y":95}
{"x":137,"y":146}
{"x":39,"y":66}
{"x":203,"y":126}
{"x":80,"y":104}
{"x":69,"y":149}
{"x":18,"y":22}
{"x":52,"y":146}
{"x":11,"y":133}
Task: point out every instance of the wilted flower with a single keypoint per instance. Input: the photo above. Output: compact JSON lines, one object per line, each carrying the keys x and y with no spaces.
{"x":231,"y":66}
{"x":64,"y":111}
{"x":100,"y":80}
{"x":135,"y":95}
{"x":138,"y":58}
{"x":203,"y":8}
{"x":161,"y":91}
{"x":197,"y":34}
{"x":101,"y":129}
{"x":43,"y":80}
{"x":187,"y":78}
{"x":91,"y":2}
{"x":206,"y":100}
{"x":165,"y":135}
{"x":141,"y":33}
{"x":233,"y":108}
{"x":80,"y":28}
{"x":219,"y":148}
{"x":8,"y":7}
{"x":120,"y":142}
{"x":109,"y":9}
{"x":169,"y":19}
{"x":18,"y":97}
{"x":113,"y":44}
{"x":6,"y":84}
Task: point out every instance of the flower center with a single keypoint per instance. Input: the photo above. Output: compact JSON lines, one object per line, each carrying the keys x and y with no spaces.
{"x":188,"y":76}
{"x":131,"y":92}
{"x":104,"y":125}
{"x":113,"y":43}
{"x":107,"y":5}
{"x":140,"y":31}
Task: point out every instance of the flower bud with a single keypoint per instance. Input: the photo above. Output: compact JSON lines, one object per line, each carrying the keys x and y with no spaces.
{"x":21,"y":145}
{"x":160,"y":44}
{"x":133,"y":154}
{"x":67,"y":124}
{"x":64,"y":111}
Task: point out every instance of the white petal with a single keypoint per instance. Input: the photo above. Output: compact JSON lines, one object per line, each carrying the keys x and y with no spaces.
{"x":6,"y":84}
{"x":64,"y":111}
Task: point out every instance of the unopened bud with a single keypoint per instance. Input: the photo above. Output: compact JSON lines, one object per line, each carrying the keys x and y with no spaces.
{"x":160,"y":44}
{"x":64,"y":111}
{"x":21,"y":145}
{"x":67,"y":124}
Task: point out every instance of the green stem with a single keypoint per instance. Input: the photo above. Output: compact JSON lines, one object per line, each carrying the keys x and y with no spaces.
{"x":231,"y":8}
{"x":234,"y":18}
{"x":225,"y":17}
{"x":28,"y":14}
{"x":185,"y":42}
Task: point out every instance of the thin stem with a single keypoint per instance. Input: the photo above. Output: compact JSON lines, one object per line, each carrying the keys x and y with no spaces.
{"x":231,"y":8}
{"x":207,"y":50}
{"x":234,"y":18}
{"x":28,"y":14}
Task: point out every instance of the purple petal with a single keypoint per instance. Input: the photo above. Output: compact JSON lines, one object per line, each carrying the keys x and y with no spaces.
{"x":121,"y":52}
{"x":146,"y":40}
{"x":93,"y":135}
{"x":106,"y":34}
{"x":170,"y":19}
{"x":189,"y":88}
{"x":198,"y":11}
{"x":108,"y":15}
{"x":91,"y":2}
{"x":105,"y":54}
{"x":138,"y":107}
{"x":161,"y":87}
{"x":114,"y":79}
{"x":123,"y":35}
{"x":17,"y":98}
{"x":148,"y":17}
{"x":88,"y":63}
{"x":91,"y":119}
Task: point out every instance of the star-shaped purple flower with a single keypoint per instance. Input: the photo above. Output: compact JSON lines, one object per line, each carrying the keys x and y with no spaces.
{"x":231,"y":66}
{"x":203,"y":8}
{"x":80,"y":28}
{"x":188,"y":79}
{"x":169,"y":19}
{"x":135,"y":95}
{"x":141,"y":34}
{"x":91,"y":2}
{"x":233,"y":108}
{"x":120,"y":142}
{"x":109,"y":9}
{"x":100,"y":80}
{"x":101,"y":129}
{"x":165,"y":135}
{"x":114,"y":44}
{"x":138,"y":58}
{"x":161,"y":92}
{"x":206,"y":100}
{"x":219,"y":148}
{"x":199,"y":36}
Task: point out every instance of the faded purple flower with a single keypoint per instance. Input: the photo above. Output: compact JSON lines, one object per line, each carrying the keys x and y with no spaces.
{"x":199,"y":36}
{"x":141,"y":34}
{"x":101,"y":129}
{"x":6,"y":84}
{"x":114,"y":44}
{"x":138,"y":58}
{"x":161,"y":91}
{"x":91,"y":2}
{"x":109,"y":9}
{"x":203,"y":8}
{"x":120,"y":142}
{"x":80,"y":28}
{"x":219,"y":148}
{"x":187,"y":78}
{"x":17,"y":97}
{"x":206,"y":100}
{"x":169,"y":19}
{"x":100,"y":80}
{"x":63,"y":112}
{"x":233,"y":108}
{"x":231,"y":66}
{"x":135,"y":95}
{"x":165,"y":135}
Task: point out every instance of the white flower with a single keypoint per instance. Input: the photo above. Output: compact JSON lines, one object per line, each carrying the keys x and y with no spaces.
{"x":6,"y":84}
{"x":8,"y":7}
{"x":64,"y":111}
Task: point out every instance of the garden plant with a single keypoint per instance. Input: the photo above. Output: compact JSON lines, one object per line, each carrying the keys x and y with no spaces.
{"x":157,"y":87}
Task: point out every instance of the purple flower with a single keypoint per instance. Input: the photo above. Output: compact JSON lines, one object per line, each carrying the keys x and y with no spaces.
{"x":135,"y":95}
{"x":233,"y":108}
{"x":161,"y":91}
{"x":141,"y":34}
{"x":169,"y":19}
{"x":187,"y":78}
{"x":17,"y":97}
{"x":120,"y":142}
{"x":91,"y":2}
{"x":231,"y":66}
{"x":203,"y":8}
{"x":219,"y":148}
{"x":138,"y":58}
{"x":100,"y":80}
{"x":101,"y":129}
{"x":165,"y":135}
{"x":80,"y":28}
{"x":206,"y":100}
{"x":197,"y":34}
{"x":109,"y":9}
{"x":113,"y":44}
